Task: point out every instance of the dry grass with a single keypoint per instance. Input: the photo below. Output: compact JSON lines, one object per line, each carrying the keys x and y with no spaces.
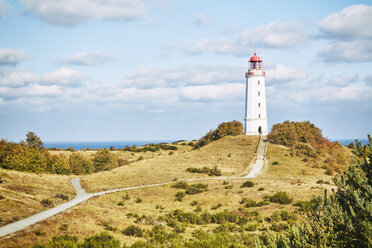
{"x":289,"y":167}
{"x":23,"y":193}
{"x":292,"y":175}
{"x":86,"y":219}
{"x":231,"y":154}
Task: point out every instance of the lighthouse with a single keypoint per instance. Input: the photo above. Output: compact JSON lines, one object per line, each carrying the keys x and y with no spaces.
{"x":255,"y":121}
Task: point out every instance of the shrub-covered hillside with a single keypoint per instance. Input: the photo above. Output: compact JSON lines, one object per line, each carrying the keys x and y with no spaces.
{"x":231,"y":128}
{"x":305,"y":140}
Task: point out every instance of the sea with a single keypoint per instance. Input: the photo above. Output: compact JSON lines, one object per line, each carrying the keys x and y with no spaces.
{"x":79,"y":145}
{"x":345,"y":142}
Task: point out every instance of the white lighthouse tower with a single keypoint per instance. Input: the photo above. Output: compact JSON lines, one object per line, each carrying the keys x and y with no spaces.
{"x":255,"y":121}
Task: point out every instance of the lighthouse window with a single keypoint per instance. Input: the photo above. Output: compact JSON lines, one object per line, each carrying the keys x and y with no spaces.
{"x":259,"y":116}
{"x":258,"y":82}
{"x":259,"y":105}
{"x":258,"y":93}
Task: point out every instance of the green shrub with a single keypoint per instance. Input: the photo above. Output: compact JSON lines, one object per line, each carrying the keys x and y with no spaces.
{"x":126,"y":196}
{"x":39,"y":232}
{"x":63,"y":227}
{"x":280,"y":197}
{"x":133,"y":231}
{"x":247,"y":184}
{"x":101,"y":240}
{"x":138,"y":200}
{"x":180,"y":185}
{"x":47,"y":202}
{"x":107,"y":226}
{"x":196,"y":188}
{"x":194,"y":203}
{"x":180,"y":195}
{"x":261,"y":189}
{"x":216,"y":206}
{"x":275,"y":163}
{"x":249,"y":203}
{"x":62,"y":196}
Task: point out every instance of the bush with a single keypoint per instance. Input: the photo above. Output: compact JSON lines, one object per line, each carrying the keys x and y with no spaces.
{"x":180,"y":195}
{"x":47,"y":202}
{"x":104,"y":160}
{"x":101,"y":240}
{"x":275,"y":163}
{"x":180,"y":185}
{"x":80,"y":165}
{"x":280,"y":197}
{"x":247,"y":184}
{"x":231,"y":128}
{"x":196,"y":188}
{"x":133,"y":231}
{"x":138,"y":200}
{"x":248,"y":203}
{"x":62,"y":196}
{"x":210,"y":171}
{"x":39,"y":233}
{"x":216,"y":206}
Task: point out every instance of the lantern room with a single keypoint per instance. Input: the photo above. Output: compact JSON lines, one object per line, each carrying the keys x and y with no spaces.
{"x":255,"y":62}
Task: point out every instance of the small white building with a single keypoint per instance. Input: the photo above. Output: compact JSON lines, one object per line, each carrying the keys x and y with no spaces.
{"x":255,"y":121}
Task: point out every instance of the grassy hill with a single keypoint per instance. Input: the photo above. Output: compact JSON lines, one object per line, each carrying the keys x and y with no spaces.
{"x":149,"y":207}
{"x":232,"y":154}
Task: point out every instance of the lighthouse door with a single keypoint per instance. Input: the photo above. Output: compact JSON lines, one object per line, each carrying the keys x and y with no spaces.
{"x":260,"y":130}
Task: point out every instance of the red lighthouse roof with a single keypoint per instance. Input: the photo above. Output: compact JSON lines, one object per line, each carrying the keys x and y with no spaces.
{"x":255,"y":58}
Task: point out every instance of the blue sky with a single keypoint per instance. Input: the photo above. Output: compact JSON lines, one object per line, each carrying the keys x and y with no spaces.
{"x":101,"y":70}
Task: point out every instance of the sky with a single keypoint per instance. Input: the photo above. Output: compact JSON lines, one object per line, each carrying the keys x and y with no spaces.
{"x":116,"y":70}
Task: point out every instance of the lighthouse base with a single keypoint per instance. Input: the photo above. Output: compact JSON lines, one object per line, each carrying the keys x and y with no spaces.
{"x":255,"y":127}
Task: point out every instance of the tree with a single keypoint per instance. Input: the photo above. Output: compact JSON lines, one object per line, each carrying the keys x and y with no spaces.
{"x":34,"y":141}
{"x":79,"y":164}
{"x":104,"y":160}
{"x":341,"y":220}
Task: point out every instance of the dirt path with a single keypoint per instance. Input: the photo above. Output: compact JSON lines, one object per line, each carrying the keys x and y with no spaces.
{"x":83,"y":196}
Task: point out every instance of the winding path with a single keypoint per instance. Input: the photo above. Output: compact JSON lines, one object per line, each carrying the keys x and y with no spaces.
{"x":81,"y":195}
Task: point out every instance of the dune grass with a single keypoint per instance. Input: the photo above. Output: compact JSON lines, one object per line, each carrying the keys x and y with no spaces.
{"x":22,"y":193}
{"x":232,"y":154}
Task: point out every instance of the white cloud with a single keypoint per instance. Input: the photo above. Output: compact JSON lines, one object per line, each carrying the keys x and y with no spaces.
{"x":74,"y":12}
{"x":282,"y":73}
{"x":347,"y":51}
{"x":350,"y":33}
{"x":201,"y":20}
{"x":213,"y":92}
{"x":4,"y":8}
{"x":11,"y":57}
{"x":184,"y":75}
{"x":342,"y":80}
{"x":89,"y":58}
{"x":352,"y":22}
{"x":220,"y":46}
{"x":63,"y":76}
{"x":276,"y":35}
{"x":17,"y":79}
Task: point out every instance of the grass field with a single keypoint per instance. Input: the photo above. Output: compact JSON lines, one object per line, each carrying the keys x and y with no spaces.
{"x":233,"y":155}
{"x":110,"y":211}
{"x":22,"y":193}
